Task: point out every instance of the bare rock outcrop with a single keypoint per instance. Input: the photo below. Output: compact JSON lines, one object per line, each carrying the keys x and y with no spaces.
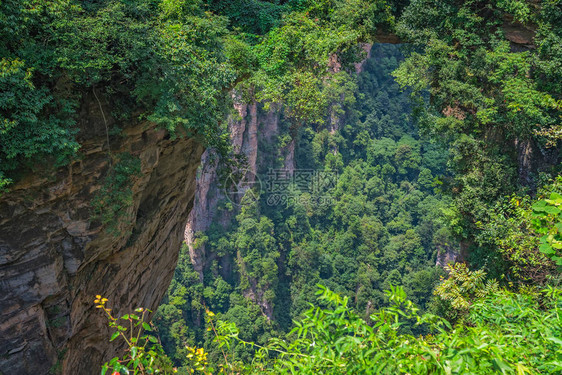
{"x":252,"y":127}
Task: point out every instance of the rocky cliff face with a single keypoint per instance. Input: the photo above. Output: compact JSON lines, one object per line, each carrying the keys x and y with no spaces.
{"x":208,"y":193}
{"x":54,"y":259}
{"x":252,"y":127}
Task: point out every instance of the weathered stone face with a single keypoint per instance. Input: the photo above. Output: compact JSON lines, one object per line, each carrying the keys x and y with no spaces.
{"x":245,"y":138}
{"x":54,"y":259}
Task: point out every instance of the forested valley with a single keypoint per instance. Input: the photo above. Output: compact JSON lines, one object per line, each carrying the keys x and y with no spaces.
{"x":380,"y":187}
{"x":382,"y":223}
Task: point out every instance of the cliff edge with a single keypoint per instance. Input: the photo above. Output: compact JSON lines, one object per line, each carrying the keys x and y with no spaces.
{"x":54,"y":258}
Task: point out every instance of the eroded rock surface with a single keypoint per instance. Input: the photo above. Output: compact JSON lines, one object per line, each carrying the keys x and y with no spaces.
{"x":54,"y":259}
{"x":253,"y":126}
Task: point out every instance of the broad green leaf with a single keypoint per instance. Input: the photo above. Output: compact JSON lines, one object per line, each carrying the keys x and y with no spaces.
{"x":153,"y":339}
{"x":539,"y":206}
{"x":557,"y":245}
{"x":546,"y":249}
{"x":499,"y":363}
{"x":555,"y":196}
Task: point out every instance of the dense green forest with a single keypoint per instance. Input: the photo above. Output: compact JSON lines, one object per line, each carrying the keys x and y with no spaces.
{"x":451,"y":141}
{"x":382,"y":224}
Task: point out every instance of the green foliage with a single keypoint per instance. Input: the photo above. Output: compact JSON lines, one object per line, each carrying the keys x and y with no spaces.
{"x":172,"y":62}
{"x":382,"y":224}
{"x":175,"y":64}
{"x":303,"y":61}
{"x":487,"y":94}
{"x":252,"y":16}
{"x":508,"y":333}
{"x":548,"y":222}
{"x":462,"y":287}
{"x":4,"y":182}
{"x":143,"y":354}
{"x":161,"y":59}
{"x":27,"y":129}
{"x":111,"y":202}
{"x":512,"y":237}
{"x":504,"y":332}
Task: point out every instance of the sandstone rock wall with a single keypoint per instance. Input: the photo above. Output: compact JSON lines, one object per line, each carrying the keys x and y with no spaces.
{"x":54,"y":259}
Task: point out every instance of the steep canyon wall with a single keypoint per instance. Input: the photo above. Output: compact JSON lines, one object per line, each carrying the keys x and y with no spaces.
{"x":54,"y":258}
{"x":252,"y":127}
